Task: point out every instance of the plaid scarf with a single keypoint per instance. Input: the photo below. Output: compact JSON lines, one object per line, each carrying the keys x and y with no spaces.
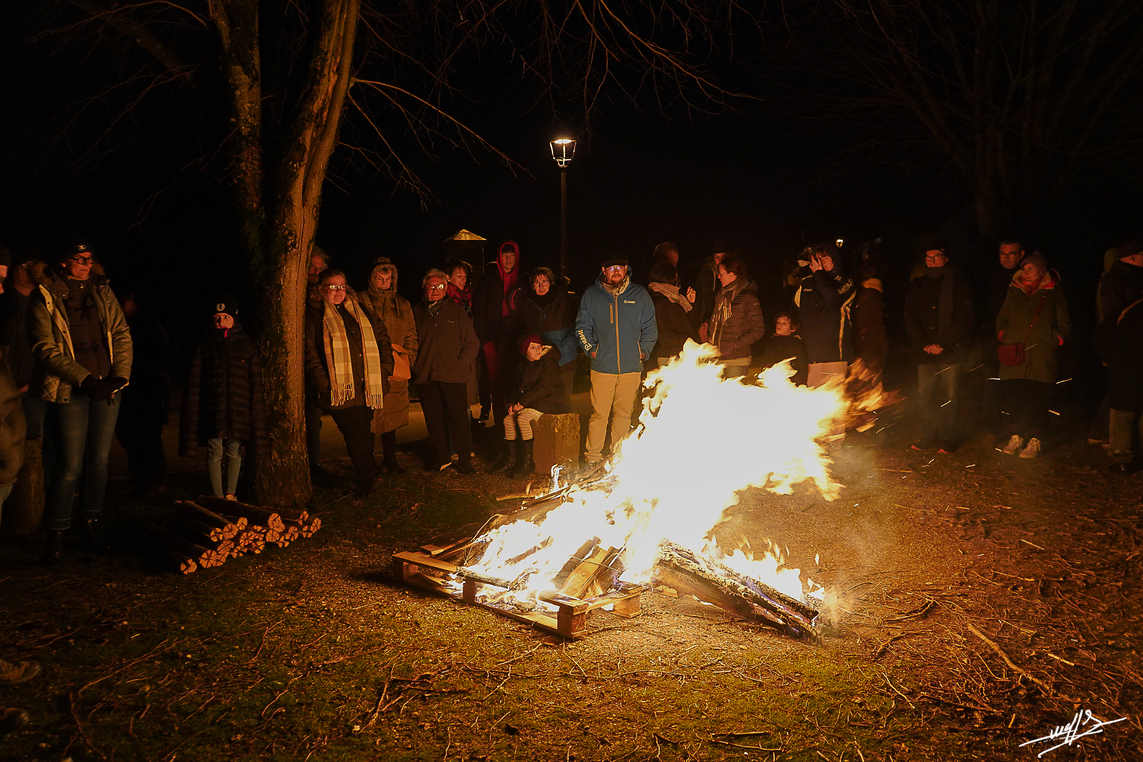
{"x":339,"y":362}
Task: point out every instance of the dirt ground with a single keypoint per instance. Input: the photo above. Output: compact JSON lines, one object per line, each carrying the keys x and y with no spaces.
{"x":981,"y":601}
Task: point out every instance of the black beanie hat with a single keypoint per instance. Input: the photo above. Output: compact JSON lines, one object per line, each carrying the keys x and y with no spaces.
{"x":226,"y":304}
{"x":615,"y":260}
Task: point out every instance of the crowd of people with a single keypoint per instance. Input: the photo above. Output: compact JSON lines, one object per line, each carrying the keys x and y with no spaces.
{"x":84,"y":365}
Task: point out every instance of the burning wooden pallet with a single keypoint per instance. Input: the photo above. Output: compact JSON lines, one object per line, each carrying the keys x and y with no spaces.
{"x":590,"y":579}
{"x":203,"y":536}
{"x":569,"y":620}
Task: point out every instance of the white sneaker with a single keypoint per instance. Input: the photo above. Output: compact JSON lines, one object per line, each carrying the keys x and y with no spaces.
{"x":1015,"y":444}
{"x":1032,"y":450}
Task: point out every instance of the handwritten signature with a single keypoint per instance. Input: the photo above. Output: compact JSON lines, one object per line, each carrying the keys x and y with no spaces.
{"x":1083,"y":724}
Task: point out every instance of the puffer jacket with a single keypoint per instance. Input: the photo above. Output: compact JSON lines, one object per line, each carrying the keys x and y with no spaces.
{"x":223,"y":397}
{"x":12,"y":428}
{"x":616,"y":327}
{"x":50,"y":334}
{"x":541,"y":387}
{"x":823,"y":302}
{"x":1042,"y":343}
{"x":736,"y":321}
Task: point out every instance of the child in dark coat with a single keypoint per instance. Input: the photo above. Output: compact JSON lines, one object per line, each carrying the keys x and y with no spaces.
{"x":541,"y":391}
{"x":786,"y":344}
{"x":223,"y":405}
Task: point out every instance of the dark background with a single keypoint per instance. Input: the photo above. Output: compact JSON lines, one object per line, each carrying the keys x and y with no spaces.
{"x":126,"y":179}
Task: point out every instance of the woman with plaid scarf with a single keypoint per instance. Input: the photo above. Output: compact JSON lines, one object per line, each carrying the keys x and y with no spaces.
{"x":348,"y":362}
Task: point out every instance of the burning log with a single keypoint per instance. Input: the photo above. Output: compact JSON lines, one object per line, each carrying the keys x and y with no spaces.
{"x":714,"y":583}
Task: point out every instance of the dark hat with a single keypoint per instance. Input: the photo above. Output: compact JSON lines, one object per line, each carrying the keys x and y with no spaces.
{"x":1037,"y":259}
{"x":382,"y":261}
{"x":528,"y":341}
{"x":938,"y":245}
{"x":615,"y":260}
{"x":1131,"y":247}
{"x":720,"y":246}
{"x":69,"y":244}
{"x":226,"y":304}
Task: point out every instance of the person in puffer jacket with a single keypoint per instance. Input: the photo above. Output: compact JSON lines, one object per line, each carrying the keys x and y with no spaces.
{"x":616,"y":328}
{"x":541,"y":392}
{"x":823,"y":301}
{"x":223,"y":404}
{"x":736,"y":321}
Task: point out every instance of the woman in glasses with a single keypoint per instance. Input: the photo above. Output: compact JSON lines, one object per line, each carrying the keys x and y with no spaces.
{"x":447,"y":350}
{"x":348,"y":363}
{"x":80,"y":338}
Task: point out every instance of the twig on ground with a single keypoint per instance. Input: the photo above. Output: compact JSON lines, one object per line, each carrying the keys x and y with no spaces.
{"x":1048,"y":690}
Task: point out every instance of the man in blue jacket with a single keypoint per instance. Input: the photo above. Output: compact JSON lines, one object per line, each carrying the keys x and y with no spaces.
{"x":617,"y":330}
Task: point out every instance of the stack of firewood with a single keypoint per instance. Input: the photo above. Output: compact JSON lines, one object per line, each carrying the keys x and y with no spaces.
{"x":211,"y":531}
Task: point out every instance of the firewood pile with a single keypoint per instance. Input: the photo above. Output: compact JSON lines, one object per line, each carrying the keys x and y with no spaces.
{"x":211,"y":531}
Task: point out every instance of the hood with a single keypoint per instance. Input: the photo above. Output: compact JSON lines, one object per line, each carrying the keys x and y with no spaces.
{"x":509,"y":279}
{"x":1050,"y":280}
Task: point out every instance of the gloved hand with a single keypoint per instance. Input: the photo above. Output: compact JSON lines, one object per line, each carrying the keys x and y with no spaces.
{"x":117,"y":383}
{"x":96,"y":388}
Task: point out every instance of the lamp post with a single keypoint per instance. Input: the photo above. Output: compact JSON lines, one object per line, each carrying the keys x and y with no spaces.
{"x":563,"y":149}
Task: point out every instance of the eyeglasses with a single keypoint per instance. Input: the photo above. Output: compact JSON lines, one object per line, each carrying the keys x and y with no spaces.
{"x":81,"y":260}
{"x":337,"y":288}
{"x":435,"y":287}
{"x":613,"y":268}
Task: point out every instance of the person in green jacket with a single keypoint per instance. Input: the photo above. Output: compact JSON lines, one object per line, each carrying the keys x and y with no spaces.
{"x":1035,"y":315}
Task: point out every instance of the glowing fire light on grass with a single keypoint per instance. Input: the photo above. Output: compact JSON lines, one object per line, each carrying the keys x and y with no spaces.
{"x":701,"y":441}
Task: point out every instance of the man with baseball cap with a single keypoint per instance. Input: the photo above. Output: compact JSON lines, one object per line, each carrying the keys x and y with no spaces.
{"x":616,"y":329}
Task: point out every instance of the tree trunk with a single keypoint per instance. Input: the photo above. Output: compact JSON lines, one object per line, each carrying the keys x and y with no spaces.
{"x":277,"y":182}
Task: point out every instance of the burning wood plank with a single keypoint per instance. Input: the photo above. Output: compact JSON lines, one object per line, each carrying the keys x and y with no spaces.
{"x":721,"y":586}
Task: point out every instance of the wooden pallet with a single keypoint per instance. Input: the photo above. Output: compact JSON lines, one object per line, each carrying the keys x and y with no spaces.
{"x":424,"y":570}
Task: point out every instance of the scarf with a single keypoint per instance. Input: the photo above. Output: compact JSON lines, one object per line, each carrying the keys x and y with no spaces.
{"x":463,"y":298}
{"x":339,"y":362}
{"x":723,"y":308}
{"x":672,"y":293}
{"x":615,"y":290}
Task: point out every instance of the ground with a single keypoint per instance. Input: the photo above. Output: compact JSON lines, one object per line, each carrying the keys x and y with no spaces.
{"x":981,"y":601}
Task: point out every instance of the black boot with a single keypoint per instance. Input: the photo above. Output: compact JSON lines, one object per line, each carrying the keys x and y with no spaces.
{"x":510,"y":458}
{"x":389,"y":448}
{"x":527,"y":465}
{"x":94,"y":538}
{"x":53,"y":547}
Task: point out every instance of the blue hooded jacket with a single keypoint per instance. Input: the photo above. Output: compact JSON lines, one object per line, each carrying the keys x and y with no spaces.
{"x":618,"y":327}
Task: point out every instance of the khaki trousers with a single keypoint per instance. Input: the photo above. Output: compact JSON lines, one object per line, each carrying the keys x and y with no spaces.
{"x":611,"y":394}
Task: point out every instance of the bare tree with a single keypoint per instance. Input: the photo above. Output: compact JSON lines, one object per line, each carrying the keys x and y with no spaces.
{"x":291,"y":71}
{"x":1016,"y":96}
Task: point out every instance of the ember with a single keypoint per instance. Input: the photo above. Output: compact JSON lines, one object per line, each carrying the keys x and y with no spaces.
{"x":702,"y":440}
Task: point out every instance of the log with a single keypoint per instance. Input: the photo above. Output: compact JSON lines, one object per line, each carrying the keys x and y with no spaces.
{"x":714,"y":583}
{"x":200,"y":533}
{"x":579,"y":584}
{"x":198,"y":513}
{"x":556,"y":441}
{"x":263,"y":516}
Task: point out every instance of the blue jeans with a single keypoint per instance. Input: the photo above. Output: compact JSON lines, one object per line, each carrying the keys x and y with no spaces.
{"x":214,"y":449}
{"x":83,"y":429}
{"x":938,"y":391}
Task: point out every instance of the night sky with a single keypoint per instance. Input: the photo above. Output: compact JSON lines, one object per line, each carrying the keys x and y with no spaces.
{"x":755,"y":177}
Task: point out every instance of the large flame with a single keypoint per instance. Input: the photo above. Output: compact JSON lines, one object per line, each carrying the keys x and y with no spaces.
{"x":701,"y":441}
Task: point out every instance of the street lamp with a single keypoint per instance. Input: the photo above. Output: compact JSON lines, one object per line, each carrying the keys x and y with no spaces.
{"x":563,"y":149}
